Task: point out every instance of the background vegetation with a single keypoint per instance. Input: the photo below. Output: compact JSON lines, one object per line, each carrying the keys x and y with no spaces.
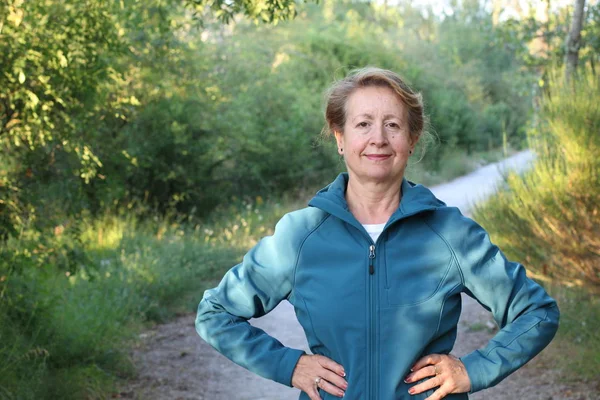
{"x":555,"y":205}
{"x":145,"y":145}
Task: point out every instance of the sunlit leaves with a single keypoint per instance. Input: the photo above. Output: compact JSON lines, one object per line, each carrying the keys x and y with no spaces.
{"x":59,"y":52}
{"x":270,"y":11}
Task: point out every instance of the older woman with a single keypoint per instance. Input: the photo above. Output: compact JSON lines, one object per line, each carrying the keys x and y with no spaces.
{"x":375,"y":268}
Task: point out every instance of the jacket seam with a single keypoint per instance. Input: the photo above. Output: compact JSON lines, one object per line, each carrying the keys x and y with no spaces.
{"x":312,"y":326}
{"x":442,"y":308}
{"x":432,"y":295}
{"x":536,"y":323}
{"x":463,"y":283}
{"x":462,"y":278}
{"x":300,"y":251}
{"x":437,"y":289}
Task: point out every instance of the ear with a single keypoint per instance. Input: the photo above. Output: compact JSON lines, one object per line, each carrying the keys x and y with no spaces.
{"x":414,"y":139}
{"x":339,"y":138}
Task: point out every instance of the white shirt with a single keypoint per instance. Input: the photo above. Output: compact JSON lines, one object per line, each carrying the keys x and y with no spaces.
{"x":374,"y":230}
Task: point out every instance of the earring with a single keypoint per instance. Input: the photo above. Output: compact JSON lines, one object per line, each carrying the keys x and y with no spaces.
{"x":410,"y":152}
{"x":341,"y":150}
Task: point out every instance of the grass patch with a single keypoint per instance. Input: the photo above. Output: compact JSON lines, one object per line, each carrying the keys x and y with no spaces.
{"x":480,"y":326}
{"x":74,"y":298}
{"x":577,"y":343}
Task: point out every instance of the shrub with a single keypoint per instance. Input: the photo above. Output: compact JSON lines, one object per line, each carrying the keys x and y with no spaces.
{"x":550,"y":216}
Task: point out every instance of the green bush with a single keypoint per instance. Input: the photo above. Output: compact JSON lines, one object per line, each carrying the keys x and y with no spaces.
{"x":181,"y":117}
{"x":548,"y":218}
{"x":555,"y":204}
{"x":237,"y":111}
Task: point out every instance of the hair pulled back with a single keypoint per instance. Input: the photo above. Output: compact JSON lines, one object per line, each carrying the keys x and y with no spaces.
{"x":339,"y":92}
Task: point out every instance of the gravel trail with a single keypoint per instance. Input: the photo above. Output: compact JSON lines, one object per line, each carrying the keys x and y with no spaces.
{"x":174,"y":363}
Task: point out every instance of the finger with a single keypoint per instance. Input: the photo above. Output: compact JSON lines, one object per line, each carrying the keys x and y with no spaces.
{"x":439,"y":394}
{"x":425,"y":386}
{"x":422,"y":373}
{"x":331,"y":389}
{"x":313,"y":392}
{"x":427,"y":360}
{"x":335,"y":379}
{"x":331,"y":365}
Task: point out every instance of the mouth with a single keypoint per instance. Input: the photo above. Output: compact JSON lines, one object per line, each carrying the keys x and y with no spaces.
{"x":378,"y":157}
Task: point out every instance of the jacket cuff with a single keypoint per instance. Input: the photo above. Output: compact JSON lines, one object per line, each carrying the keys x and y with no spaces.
{"x":474,"y":364}
{"x":287,"y":364}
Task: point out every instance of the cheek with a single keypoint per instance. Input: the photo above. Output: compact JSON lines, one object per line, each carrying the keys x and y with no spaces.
{"x":400,"y":143}
{"x":353,"y":146}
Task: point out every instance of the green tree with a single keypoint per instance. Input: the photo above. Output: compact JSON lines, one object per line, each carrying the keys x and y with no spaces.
{"x":55,"y":56}
{"x":573,"y":41}
{"x":270,"y":11}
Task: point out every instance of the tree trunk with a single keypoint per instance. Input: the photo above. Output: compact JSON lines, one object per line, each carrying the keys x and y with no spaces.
{"x":574,"y":40}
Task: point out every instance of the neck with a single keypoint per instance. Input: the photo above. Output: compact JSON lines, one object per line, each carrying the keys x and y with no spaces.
{"x":372,"y":202}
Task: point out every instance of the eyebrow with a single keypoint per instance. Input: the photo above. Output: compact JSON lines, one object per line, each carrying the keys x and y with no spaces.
{"x":370,"y":116}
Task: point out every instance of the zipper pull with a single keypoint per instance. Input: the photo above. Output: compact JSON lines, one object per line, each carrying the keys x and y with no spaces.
{"x":371,"y":257}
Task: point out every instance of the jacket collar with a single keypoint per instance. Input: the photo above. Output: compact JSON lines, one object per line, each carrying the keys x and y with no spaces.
{"x":415,"y":199}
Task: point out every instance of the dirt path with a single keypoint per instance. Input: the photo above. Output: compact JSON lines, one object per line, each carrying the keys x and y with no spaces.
{"x":174,"y":363}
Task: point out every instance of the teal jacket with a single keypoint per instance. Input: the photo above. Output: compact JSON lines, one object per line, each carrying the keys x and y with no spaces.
{"x":376,"y":308}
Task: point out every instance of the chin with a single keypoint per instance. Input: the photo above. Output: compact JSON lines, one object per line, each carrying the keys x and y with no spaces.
{"x":382,"y":176}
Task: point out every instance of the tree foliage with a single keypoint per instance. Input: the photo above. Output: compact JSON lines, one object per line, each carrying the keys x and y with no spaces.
{"x":107,"y":103}
{"x":55,"y":56}
{"x":270,"y":11}
{"x":540,"y":43}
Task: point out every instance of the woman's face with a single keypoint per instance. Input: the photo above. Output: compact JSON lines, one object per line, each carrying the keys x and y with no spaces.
{"x":375,"y":139}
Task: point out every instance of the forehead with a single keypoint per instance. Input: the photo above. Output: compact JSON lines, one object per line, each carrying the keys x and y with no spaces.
{"x":374,"y":100}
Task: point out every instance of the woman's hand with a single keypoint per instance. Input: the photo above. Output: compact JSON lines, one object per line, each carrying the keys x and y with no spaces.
{"x":312,"y":367}
{"x":449,"y":375}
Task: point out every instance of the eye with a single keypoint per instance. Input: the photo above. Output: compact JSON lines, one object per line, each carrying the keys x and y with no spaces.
{"x":363,"y":124}
{"x":393,"y":125}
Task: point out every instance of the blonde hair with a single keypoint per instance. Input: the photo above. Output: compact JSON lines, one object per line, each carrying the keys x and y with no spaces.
{"x":338,"y":93}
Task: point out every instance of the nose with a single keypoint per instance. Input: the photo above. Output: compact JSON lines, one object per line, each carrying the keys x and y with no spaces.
{"x":379,"y":136}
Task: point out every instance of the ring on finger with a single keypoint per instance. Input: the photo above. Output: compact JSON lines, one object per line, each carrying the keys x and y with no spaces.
{"x":317,"y":381}
{"x":435,"y":370}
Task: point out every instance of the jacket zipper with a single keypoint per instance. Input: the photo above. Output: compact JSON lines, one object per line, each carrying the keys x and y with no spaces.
{"x":372,"y":323}
{"x":371,"y":259}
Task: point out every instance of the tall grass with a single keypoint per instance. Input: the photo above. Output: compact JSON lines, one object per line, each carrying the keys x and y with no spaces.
{"x":549,"y":217}
{"x":72,"y":299}
{"x":576,"y":349}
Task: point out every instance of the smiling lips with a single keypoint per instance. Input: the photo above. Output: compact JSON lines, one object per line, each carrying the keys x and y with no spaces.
{"x":378,"y":157}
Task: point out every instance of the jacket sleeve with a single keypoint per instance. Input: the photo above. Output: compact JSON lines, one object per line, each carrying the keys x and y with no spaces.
{"x":249,"y":290}
{"x":526,"y":314}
